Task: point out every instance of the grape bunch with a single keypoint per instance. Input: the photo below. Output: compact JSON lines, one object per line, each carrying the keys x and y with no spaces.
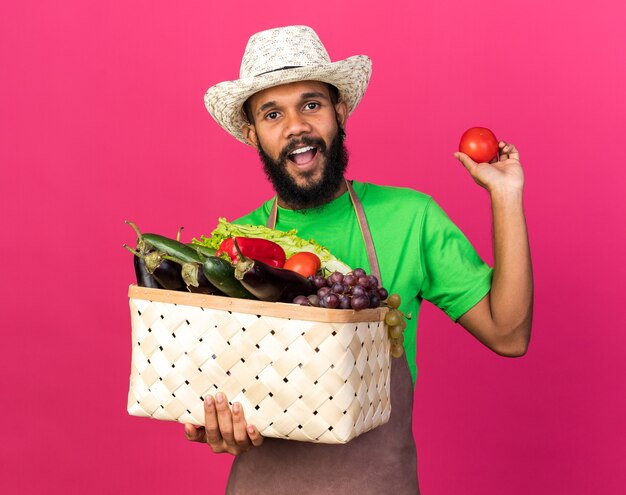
{"x":355,"y":290}
{"x":395,"y":325}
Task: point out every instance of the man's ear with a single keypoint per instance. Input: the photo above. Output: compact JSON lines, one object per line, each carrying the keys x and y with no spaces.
{"x":249,"y":133}
{"x":341,"y":109}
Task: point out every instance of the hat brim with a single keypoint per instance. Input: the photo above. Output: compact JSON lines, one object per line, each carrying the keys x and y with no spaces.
{"x":225,"y":100}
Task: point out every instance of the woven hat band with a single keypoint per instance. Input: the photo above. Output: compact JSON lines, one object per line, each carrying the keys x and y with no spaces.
{"x":276,"y":70}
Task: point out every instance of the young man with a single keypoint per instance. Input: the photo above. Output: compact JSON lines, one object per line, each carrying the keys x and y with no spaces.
{"x":291,"y":103}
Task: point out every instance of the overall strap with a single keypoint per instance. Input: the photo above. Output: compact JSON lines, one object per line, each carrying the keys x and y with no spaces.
{"x":271,"y":220}
{"x":363,"y":225}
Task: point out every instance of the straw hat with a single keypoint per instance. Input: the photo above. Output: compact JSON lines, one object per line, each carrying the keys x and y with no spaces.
{"x":281,"y":56}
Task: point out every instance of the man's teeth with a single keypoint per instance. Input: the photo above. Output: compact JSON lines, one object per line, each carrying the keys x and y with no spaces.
{"x":302,"y":150}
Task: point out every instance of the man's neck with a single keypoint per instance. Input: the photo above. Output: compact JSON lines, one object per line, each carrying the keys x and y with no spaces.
{"x":342,"y":189}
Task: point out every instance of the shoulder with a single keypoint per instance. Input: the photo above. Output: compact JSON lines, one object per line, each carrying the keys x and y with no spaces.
{"x":403,"y":199}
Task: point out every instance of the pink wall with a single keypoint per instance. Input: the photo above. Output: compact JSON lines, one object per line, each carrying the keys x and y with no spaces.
{"x":103,"y":120}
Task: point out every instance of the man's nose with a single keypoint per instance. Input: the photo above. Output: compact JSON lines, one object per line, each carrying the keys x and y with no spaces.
{"x":296,"y":125}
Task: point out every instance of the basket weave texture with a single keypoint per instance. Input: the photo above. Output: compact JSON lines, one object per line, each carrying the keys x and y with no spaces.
{"x":308,"y":374}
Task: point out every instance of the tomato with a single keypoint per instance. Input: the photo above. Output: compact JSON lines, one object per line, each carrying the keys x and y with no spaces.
{"x":304,"y":263}
{"x":480,"y":144}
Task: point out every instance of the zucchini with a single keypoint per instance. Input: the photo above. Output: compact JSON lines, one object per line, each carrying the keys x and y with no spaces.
{"x":173,"y":248}
{"x":222,"y":275}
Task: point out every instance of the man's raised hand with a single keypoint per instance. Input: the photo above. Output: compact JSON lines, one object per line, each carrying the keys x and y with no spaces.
{"x":505,"y":175}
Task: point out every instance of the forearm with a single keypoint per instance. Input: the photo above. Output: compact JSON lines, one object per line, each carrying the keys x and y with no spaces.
{"x":511,"y":297}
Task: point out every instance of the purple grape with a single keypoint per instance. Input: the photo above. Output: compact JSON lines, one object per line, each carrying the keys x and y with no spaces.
{"x":374,"y":301}
{"x":358,"y":272}
{"x":323,"y":291}
{"x":338,"y":288}
{"x":349,"y":280}
{"x":331,"y":300}
{"x":301,"y":300}
{"x":314,"y":300}
{"x":319,"y":282}
{"x":373,"y":281}
{"x":364,"y":282}
{"x":360,"y":302}
{"x":357,"y":290}
{"x":344,"y":302}
{"x":383,"y":294}
{"x":335,"y":278}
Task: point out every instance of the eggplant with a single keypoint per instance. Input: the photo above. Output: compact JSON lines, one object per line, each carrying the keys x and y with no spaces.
{"x":196,"y":280}
{"x":167,"y":273}
{"x":144,"y":278}
{"x":168,"y":276}
{"x":271,"y":284}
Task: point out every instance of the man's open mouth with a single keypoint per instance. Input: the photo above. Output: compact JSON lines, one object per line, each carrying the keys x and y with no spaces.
{"x":303,"y":155}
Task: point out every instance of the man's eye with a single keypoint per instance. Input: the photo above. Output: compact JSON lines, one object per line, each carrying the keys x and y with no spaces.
{"x":312,"y":106}
{"x":272,"y":115}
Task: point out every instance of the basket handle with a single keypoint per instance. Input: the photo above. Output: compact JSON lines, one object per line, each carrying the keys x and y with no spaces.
{"x":363,"y":225}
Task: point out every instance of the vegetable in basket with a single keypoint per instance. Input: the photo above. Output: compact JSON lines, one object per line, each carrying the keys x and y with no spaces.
{"x":288,"y":240}
{"x":269,"y":283}
{"x":169,"y":263}
{"x":304,"y":262}
{"x":173,"y":248}
{"x":222,"y":274}
{"x":144,"y":278}
{"x":165,"y":272}
{"x":196,"y":280}
{"x":253,"y":247}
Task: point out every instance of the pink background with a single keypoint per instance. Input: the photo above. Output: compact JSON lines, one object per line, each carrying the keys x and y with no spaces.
{"x":103,"y":120}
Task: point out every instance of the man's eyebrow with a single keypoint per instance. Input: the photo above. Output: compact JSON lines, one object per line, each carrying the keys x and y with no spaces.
{"x":313,"y":94}
{"x":304,"y":96}
{"x":265,"y":106}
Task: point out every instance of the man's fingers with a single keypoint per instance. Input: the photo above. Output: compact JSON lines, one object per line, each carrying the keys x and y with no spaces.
{"x":508,"y":150}
{"x":254,"y":435}
{"x":240,"y":433}
{"x":224,"y":430}
{"x":224,"y":418}
{"x":467,"y":162}
{"x":195,"y":434}
{"x":211,"y":424}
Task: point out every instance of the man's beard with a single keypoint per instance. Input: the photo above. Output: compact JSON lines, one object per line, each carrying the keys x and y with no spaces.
{"x":313,"y":194}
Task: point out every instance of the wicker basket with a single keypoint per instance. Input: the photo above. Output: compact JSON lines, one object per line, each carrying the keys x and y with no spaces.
{"x":300,"y":373}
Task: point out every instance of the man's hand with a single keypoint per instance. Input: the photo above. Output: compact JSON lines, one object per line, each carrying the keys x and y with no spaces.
{"x":224,"y":431}
{"x":505,"y":175}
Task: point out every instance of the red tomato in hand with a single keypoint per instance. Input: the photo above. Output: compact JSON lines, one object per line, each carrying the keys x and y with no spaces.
{"x":480,"y":144}
{"x":304,"y":263}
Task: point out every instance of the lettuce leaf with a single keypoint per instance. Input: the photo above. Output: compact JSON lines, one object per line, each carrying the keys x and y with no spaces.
{"x":288,"y":240}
